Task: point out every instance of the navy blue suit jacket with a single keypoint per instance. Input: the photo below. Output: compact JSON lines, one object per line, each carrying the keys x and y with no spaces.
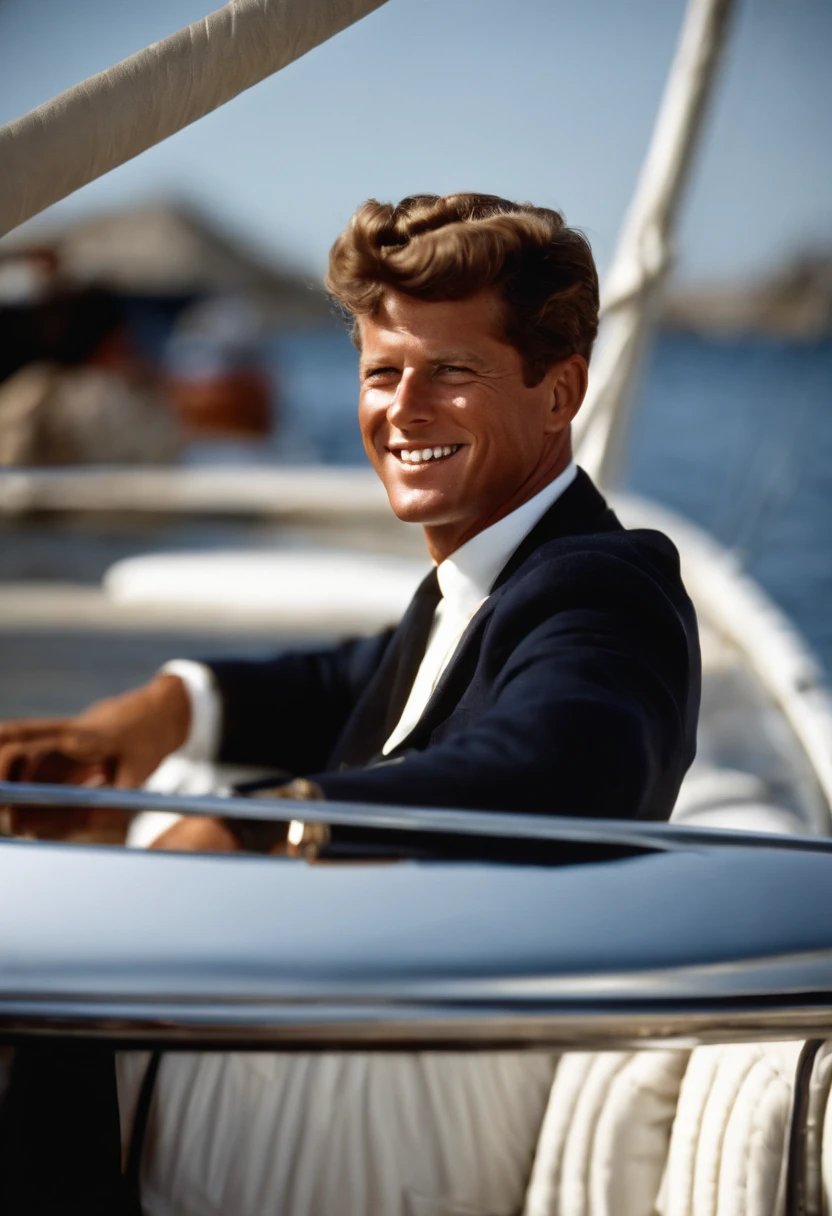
{"x":574,"y":690}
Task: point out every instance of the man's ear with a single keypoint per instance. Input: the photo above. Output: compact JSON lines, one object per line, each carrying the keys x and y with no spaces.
{"x":568,"y":388}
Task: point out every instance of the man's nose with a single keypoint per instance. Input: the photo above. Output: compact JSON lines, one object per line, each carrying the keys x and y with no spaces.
{"x":411,"y":404}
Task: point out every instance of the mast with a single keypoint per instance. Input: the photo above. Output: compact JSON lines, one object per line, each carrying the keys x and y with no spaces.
{"x":99,"y":124}
{"x":645,"y":251}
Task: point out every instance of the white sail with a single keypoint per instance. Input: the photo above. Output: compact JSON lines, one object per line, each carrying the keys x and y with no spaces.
{"x":110,"y":118}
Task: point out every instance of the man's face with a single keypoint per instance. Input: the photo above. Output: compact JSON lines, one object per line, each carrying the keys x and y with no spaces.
{"x":453,"y":432}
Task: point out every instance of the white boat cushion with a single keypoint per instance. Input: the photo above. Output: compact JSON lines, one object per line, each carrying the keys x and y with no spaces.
{"x":728,"y":1146}
{"x":818,"y":1197}
{"x":605,"y":1135}
{"x":254,"y":1134}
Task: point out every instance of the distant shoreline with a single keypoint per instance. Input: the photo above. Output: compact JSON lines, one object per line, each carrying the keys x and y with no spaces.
{"x":794,"y":304}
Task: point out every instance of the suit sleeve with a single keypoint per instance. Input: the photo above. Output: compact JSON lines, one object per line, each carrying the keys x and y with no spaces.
{"x":288,"y":711}
{"x":591,"y":712}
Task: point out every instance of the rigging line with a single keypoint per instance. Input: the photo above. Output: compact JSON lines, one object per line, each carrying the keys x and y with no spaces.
{"x":108,"y":119}
{"x":645,"y":247}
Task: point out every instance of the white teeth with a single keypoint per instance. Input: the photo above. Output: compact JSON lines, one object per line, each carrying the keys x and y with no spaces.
{"x":421,"y":454}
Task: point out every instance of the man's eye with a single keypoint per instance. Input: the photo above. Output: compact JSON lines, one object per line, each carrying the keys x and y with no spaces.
{"x":452,"y":367}
{"x":375,"y":373}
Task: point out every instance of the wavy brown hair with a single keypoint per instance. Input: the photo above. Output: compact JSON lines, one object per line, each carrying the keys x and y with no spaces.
{"x":451,"y":247}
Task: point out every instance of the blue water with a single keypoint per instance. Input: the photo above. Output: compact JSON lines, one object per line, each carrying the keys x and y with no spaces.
{"x":737,"y":435}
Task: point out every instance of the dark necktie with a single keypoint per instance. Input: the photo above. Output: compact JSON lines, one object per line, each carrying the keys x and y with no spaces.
{"x":380,"y":707}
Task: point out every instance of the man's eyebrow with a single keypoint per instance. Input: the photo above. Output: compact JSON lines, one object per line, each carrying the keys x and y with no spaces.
{"x":442,"y":358}
{"x":459,"y":358}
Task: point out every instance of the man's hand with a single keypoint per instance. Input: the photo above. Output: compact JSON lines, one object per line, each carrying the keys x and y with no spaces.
{"x":116,"y":742}
{"x":198,"y":836}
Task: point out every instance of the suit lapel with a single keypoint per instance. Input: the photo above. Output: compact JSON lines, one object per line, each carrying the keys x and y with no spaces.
{"x":579,"y":510}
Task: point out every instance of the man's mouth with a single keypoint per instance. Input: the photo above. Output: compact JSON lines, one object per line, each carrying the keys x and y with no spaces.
{"x":425,"y":455}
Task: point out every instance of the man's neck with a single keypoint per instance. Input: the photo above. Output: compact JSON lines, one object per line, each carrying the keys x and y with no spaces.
{"x":444,"y":539}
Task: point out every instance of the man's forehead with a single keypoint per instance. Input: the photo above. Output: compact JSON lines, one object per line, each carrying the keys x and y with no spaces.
{"x":446,"y":352}
{"x":447,"y":328}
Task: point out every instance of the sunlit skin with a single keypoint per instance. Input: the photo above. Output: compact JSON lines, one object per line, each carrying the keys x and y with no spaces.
{"x":435,"y":374}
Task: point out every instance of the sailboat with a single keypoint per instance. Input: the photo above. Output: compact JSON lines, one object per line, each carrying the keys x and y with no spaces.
{"x":764,"y":766}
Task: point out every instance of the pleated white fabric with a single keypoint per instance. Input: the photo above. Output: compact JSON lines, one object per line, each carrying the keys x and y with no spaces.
{"x":728,"y":1150}
{"x":605,"y":1136}
{"x":251,"y":1134}
{"x":818,"y":1197}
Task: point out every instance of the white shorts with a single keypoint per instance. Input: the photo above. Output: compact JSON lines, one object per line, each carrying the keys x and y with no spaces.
{"x":421,"y":1134}
{"x":329,"y":1134}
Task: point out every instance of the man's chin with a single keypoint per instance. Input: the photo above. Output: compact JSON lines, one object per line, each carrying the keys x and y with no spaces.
{"x":418,"y":508}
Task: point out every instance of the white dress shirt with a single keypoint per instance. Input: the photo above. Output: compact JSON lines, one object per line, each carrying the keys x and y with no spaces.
{"x":465,"y":580}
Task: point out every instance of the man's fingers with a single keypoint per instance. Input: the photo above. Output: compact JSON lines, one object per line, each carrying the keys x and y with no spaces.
{"x":22,"y":761}
{"x":52,"y":760}
{"x":25,"y":729}
{"x":197,"y":835}
{"x":13,"y":761}
{"x":54,"y":736}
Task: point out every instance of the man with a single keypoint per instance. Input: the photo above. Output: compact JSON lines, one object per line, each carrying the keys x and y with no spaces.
{"x":551,"y":663}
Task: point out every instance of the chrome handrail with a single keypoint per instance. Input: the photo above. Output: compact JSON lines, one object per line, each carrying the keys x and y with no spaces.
{"x":446,"y":821}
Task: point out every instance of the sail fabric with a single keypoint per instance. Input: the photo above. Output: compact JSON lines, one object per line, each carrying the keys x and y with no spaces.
{"x":110,"y":118}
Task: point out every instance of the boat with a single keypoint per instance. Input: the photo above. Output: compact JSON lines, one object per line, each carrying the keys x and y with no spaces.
{"x":589,"y":938}
{"x":659,"y":970}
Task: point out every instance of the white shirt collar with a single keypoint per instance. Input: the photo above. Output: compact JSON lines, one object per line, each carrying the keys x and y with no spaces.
{"x":466,"y":577}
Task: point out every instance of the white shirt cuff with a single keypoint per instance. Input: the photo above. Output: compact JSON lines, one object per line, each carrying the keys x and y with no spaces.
{"x":203,"y":739}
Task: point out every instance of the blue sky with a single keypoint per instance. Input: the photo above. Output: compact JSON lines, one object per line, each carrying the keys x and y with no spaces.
{"x":535,"y":99}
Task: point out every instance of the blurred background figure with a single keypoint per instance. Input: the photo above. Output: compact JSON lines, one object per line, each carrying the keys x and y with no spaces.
{"x":74,"y":386}
{"x":218,"y":377}
{"x":125,"y":336}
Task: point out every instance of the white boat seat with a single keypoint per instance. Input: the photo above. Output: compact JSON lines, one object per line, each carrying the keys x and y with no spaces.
{"x":671,"y":1133}
{"x":728,"y":1149}
{"x":612,"y":1129}
{"x":605,"y":1135}
{"x":818,"y":1197}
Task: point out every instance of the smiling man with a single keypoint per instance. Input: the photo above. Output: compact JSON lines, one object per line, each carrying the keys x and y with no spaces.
{"x":550,"y":661}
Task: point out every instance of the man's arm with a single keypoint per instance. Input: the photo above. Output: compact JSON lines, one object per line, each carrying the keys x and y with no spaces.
{"x":289,"y":711}
{"x":285,"y":712}
{"x":591,"y":712}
